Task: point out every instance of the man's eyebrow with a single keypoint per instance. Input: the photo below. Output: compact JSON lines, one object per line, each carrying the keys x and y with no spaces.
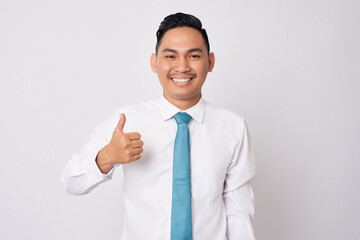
{"x":169,"y":50}
{"x":189,"y":51}
{"x":195,"y":50}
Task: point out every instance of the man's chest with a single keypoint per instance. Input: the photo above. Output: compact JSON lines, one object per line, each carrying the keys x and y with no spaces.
{"x":209,"y":158}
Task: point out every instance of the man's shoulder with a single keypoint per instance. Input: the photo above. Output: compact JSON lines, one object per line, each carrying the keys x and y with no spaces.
{"x":222,"y":113}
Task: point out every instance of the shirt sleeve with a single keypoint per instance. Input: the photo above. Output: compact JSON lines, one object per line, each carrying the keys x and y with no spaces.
{"x":237,"y":195}
{"x":81,"y":174}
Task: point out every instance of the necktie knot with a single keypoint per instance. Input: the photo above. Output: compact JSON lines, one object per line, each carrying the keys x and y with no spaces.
{"x":182,"y":117}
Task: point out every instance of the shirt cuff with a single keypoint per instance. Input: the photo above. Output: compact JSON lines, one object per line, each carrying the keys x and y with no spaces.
{"x":93,"y":169}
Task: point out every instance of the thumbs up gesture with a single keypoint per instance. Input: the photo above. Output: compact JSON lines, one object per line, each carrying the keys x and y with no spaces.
{"x":123,"y":148}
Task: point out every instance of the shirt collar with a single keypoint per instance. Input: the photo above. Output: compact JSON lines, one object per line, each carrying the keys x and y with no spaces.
{"x":168,"y":110}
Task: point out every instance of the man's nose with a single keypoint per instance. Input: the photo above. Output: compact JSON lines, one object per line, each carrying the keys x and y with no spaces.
{"x":183,"y":65}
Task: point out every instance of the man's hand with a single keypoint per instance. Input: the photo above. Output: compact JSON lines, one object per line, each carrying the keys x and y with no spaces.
{"x":123,"y":148}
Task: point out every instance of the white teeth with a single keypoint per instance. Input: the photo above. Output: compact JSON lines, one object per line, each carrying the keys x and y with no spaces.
{"x":181,"y":80}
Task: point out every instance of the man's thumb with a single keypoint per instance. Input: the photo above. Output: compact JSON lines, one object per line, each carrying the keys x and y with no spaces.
{"x":121,"y":123}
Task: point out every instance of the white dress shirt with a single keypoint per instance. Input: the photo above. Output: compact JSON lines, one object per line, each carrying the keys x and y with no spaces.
{"x":221,"y":163}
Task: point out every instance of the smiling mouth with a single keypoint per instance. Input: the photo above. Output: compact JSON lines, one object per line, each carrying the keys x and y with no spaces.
{"x":181,"y":80}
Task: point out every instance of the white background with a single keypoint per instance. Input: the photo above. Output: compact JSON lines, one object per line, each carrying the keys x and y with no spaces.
{"x":291,"y":67}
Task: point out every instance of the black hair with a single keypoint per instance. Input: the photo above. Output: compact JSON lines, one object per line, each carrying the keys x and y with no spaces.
{"x":180,"y":20}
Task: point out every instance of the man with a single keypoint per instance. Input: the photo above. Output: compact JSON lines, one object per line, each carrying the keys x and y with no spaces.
{"x":192,"y":178}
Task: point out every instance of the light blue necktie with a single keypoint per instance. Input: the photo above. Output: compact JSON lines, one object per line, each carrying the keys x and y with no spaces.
{"x":181,"y":192}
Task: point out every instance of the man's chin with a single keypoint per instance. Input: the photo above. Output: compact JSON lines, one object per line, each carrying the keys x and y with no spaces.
{"x":183,"y":97}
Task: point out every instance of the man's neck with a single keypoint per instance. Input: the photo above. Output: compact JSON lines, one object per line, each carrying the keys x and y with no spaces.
{"x":184,"y":104}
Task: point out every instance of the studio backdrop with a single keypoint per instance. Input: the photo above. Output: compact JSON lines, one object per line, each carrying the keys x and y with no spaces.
{"x":290,"y":67}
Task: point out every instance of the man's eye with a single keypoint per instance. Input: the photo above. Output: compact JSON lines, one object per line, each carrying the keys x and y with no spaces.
{"x":194,"y":56}
{"x":170,"y":56}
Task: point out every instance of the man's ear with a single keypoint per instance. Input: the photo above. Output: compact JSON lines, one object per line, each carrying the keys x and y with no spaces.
{"x":211,"y":61}
{"x":153,"y":62}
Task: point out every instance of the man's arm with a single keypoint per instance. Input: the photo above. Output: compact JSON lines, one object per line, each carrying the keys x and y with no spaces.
{"x":238,"y":196}
{"x":82,"y":174}
{"x":95,"y":162}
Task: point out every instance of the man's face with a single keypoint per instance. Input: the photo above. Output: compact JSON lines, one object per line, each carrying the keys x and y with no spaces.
{"x":182,"y":64}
